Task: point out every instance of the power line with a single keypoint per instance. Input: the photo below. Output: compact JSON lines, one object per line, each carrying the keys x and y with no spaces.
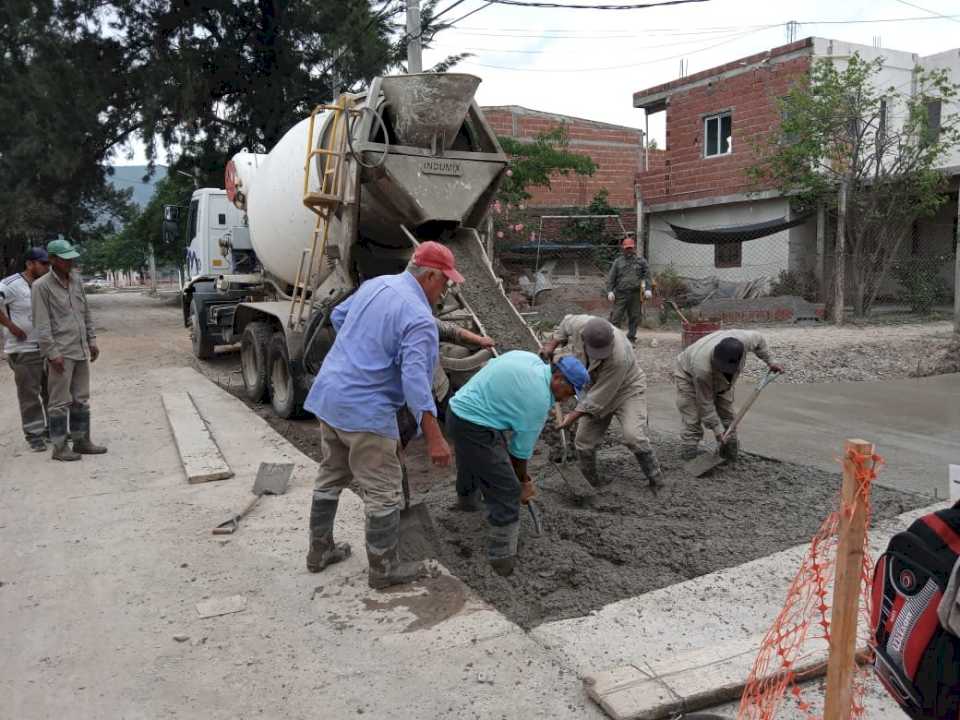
{"x":639,"y":6}
{"x":935,"y":14}
{"x":472,"y":12}
{"x":633,"y":48}
{"x":449,"y":8}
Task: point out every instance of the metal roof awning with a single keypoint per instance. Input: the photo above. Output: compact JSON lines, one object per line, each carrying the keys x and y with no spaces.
{"x":735,"y":233}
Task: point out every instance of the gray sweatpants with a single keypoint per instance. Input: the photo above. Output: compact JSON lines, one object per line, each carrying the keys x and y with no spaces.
{"x":30,"y":377}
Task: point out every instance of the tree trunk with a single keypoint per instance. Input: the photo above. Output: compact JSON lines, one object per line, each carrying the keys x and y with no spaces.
{"x":840,"y":250}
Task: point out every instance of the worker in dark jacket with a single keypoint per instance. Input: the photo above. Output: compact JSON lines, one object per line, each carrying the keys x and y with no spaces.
{"x":626,"y":287}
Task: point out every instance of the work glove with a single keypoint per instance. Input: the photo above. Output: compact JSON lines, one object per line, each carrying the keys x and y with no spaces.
{"x":647,"y":294}
{"x":528,"y":491}
{"x":610,"y":296}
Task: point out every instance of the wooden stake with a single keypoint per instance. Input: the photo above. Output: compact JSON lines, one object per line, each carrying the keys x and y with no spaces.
{"x":846,"y":590}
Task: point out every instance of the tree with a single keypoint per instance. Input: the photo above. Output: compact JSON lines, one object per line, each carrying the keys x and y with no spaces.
{"x":842,"y":130}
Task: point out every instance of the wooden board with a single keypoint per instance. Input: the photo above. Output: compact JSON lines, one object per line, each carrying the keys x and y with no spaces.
{"x":686,"y":683}
{"x":201,"y":458}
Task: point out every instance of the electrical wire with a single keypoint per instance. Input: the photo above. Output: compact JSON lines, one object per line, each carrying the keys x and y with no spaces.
{"x":935,"y":14}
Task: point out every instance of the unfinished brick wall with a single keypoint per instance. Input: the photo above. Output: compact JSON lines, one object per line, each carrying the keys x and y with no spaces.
{"x":615,"y":150}
{"x":751,"y":97}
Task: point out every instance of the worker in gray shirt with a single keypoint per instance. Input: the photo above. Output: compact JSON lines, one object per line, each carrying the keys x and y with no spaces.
{"x":626,"y":287}
{"x":68,"y":343}
{"x":705,"y":375}
{"x":617,"y":390}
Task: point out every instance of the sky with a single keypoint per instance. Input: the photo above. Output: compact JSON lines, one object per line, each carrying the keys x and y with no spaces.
{"x":588,"y":63}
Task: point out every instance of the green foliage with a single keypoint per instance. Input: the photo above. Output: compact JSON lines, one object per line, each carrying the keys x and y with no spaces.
{"x":842,"y":127}
{"x":801,"y":284}
{"x":532,"y":164}
{"x":922,"y":282}
{"x":669,"y":284}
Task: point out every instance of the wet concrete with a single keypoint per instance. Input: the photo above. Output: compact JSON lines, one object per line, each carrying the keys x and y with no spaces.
{"x":915,"y":424}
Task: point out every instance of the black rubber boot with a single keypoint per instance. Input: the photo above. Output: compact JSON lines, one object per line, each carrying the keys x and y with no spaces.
{"x":80,"y":432}
{"x":58,"y":438}
{"x":383,"y":555}
{"x":502,"y":547}
{"x":651,"y":468}
{"x":689,"y":452}
{"x":730,"y":450}
{"x":323,"y":550}
{"x":587,"y":459}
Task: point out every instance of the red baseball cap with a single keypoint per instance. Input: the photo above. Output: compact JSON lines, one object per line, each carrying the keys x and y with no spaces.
{"x":437,"y":257}
{"x":629,"y":242}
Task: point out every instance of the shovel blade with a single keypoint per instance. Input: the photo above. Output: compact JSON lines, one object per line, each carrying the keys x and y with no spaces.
{"x":704,"y":464}
{"x":272,"y":478}
{"x":418,"y":537}
{"x":579,"y":486}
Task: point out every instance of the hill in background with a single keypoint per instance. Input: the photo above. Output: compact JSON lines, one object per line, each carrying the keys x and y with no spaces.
{"x":131,"y":177}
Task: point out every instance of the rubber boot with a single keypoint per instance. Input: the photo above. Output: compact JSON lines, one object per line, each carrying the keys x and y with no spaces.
{"x":58,"y":438}
{"x":383,"y":554}
{"x":323,"y":550}
{"x":80,"y":432}
{"x":502,"y":547}
{"x":730,"y":450}
{"x":651,"y":468}
{"x":587,"y":459}
{"x":469,"y":503}
{"x":689,"y":451}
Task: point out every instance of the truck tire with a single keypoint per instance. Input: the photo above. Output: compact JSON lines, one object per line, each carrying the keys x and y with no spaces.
{"x":201,"y":342}
{"x":255,"y":360}
{"x":286,"y":397}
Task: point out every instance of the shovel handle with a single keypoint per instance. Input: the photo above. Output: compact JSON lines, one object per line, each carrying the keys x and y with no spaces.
{"x":766,"y":380}
{"x":230,"y":526}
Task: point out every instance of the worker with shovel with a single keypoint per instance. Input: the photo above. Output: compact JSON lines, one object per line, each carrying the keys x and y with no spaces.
{"x":512,"y":393}
{"x":617,"y":389}
{"x":383,"y":357}
{"x":705,"y":375}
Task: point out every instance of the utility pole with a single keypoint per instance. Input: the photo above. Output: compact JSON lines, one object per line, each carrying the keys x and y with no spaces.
{"x":414,"y":49}
{"x":956,"y":273}
{"x":840,"y":252}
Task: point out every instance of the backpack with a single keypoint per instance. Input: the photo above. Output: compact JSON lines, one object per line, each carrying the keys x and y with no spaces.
{"x":916,"y":659}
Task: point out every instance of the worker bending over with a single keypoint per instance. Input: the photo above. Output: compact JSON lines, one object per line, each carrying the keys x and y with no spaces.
{"x":626,"y":287}
{"x":514,"y":393}
{"x":705,"y":374}
{"x":617,"y":389}
{"x":383,"y":357}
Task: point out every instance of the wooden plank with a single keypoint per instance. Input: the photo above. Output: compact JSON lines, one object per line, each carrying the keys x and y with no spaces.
{"x":201,"y":458}
{"x":846,"y":589}
{"x":688,"y":682}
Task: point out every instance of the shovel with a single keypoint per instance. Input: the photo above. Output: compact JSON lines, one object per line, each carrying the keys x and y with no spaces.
{"x":572,"y":475}
{"x":272,"y":479}
{"x":418,"y":537}
{"x":705,"y":463}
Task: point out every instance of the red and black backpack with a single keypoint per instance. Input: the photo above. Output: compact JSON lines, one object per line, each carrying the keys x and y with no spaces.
{"x":917,"y":660}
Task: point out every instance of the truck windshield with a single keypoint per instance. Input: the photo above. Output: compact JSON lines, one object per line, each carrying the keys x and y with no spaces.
{"x":192,"y":221}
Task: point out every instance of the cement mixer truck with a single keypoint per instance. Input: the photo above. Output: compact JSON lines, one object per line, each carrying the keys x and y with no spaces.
{"x":344,"y":196}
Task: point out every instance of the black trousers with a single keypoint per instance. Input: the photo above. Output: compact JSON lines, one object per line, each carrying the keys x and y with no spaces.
{"x":483,"y":463}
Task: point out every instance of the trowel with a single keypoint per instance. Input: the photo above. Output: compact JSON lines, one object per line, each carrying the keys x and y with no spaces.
{"x":705,"y":463}
{"x":272,"y":479}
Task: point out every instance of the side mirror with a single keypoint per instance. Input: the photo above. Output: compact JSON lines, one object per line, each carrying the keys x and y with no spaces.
{"x":171,"y":213}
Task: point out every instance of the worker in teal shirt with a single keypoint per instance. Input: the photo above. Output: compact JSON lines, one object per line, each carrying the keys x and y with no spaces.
{"x":512,"y":393}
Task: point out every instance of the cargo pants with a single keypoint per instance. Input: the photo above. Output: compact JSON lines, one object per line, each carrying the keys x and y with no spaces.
{"x":627,"y":304}
{"x":689,"y":408}
{"x":367,"y":460}
{"x":30,"y":376}
{"x":632,"y":416}
{"x":69,"y":391}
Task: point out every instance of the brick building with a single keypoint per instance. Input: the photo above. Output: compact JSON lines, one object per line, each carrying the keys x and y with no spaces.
{"x":715,"y":121}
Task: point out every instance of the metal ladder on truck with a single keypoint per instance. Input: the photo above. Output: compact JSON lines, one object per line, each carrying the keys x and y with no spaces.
{"x":325,"y":199}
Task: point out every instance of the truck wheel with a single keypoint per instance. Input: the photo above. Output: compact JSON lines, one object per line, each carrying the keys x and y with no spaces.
{"x":285,"y":394}
{"x":202,"y":344}
{"x":254,"y":360}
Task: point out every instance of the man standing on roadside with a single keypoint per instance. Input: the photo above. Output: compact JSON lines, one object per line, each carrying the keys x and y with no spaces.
{"x":384,"y":356}
{"x":21,"y":348}
{"x":625,"y":287}
{"x":617,"y":389}
{"x":68,"y":343}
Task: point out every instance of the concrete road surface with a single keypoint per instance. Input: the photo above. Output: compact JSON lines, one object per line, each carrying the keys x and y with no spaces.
{"x":915,"y":424}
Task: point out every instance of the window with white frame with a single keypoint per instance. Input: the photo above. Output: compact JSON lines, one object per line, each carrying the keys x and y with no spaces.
{"x":717,"y":135}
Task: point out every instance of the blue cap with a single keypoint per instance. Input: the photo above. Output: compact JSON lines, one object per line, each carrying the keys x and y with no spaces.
{"x":574,"y":373}
{"x":37,"y":253}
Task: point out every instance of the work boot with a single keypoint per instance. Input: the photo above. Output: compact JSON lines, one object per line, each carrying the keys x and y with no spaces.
{"x":651,"y":468}
{"x":469,"y":503}
{"x":80,"y":432}
{"x":502,"y":547}
{"x":587,"y":460}
{"x":383,"y":554}
{"x":730,"y":450}
{"x":688,"y":451}
{"x":58,"y":438}
{"x":323,"y":550}
{"x":36,"y":443}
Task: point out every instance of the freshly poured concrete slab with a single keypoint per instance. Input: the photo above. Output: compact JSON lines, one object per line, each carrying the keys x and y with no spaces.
{"x":915,"y":424}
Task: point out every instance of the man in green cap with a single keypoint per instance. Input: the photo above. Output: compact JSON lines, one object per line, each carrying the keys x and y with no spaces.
{"x":68,"y":343}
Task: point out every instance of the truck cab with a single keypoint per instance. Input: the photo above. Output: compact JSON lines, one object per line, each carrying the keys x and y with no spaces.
{"x":219,"y":253}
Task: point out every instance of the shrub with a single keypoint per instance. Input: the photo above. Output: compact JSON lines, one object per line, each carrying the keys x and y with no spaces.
{"x":802,"y":284}
{"x":922,"y":284}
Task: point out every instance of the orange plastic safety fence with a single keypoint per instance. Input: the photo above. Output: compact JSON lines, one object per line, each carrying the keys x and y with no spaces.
{"x":800,"y":636}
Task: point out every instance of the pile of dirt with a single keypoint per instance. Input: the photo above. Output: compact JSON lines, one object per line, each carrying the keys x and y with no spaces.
{"x":629,"y":541}
{"x":942,"y":360}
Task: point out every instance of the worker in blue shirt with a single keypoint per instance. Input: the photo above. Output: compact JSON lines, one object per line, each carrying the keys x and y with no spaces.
{"x":383,"y":357}
{"x":512,"y":393}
